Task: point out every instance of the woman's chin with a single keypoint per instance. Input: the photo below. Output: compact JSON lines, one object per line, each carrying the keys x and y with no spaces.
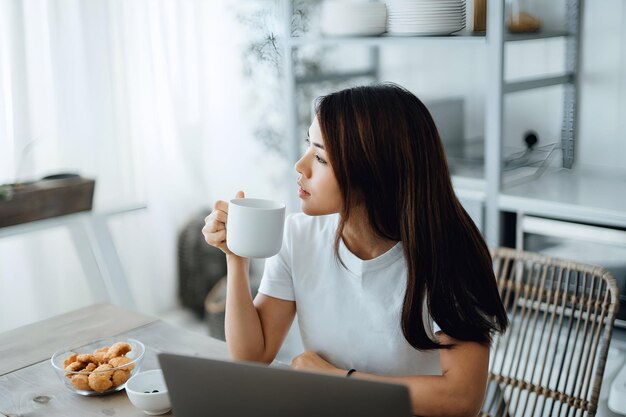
{"x":309,"y":209}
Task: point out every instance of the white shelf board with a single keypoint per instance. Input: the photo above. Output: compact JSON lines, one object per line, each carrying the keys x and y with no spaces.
{"x":467,"y":187}
{"x":384,"y":40}
{"x":542,"y":34}
{"x":580,"y":194}
{"x":540,"y":82}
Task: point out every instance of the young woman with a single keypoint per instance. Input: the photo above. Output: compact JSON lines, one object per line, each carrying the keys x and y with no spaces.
{"x":387,"y":272}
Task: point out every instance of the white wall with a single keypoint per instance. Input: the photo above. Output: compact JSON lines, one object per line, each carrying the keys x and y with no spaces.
{"x":603,"y":95}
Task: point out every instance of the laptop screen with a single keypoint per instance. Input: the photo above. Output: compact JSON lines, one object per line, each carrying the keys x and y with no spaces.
{"x":208,"y":387}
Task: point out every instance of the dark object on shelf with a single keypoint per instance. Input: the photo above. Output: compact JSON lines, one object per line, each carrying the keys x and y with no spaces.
{"x":530,"y":139}
{"x":532,"y":156}
{"x":480,"y":16}
{"x":37,"y":200}
{"x":523,"y":23}
{"x":61,"y":176}
{"x":200,"y":266}
{"x":215,"y":310}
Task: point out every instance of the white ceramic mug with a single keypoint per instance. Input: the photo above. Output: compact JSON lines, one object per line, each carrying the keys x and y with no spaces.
{"x":255,"y":227}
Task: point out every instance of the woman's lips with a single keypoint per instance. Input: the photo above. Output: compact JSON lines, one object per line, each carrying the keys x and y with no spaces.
{"x":302,"y":193}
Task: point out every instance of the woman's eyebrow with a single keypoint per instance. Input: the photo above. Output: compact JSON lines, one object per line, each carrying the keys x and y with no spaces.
{"x":318,"y":145}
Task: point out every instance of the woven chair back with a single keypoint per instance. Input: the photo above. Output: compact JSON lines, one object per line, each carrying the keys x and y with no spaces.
{"x":551,"y":360}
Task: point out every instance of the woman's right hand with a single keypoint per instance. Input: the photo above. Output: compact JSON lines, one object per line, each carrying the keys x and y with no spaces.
{"x":214,"y":229}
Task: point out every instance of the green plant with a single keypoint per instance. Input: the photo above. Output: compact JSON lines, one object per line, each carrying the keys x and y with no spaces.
{"x":263,"y":66}
{"x":6,"y":192}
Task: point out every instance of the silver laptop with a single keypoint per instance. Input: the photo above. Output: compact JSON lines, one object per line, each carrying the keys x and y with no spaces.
{"x":206,"y":387}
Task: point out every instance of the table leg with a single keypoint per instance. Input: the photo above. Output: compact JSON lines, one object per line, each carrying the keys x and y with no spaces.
{"x":108,"y":261}
{"x":88,"y":261}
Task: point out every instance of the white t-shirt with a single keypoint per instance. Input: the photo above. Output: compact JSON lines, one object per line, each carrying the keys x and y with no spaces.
{"x":349,"y":316}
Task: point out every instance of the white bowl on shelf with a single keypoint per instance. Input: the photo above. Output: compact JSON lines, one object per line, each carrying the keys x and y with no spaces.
{"x":353,"y":18}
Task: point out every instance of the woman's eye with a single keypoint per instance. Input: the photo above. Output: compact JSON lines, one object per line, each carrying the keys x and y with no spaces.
{"x":320,"y":160}
{"x":308,"y":142}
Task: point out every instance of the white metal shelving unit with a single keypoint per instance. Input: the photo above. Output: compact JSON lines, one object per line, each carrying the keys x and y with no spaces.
{"x":573,"y":193}
{"x":497,"y":184}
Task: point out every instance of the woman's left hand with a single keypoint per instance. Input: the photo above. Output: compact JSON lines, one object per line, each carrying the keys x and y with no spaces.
{"x":311,"y":361}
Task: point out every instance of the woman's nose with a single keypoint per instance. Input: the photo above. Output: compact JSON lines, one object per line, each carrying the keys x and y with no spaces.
{"x":301,"y":166}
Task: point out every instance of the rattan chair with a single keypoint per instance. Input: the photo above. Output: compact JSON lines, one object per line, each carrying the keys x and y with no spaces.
{"x":551,"y":360}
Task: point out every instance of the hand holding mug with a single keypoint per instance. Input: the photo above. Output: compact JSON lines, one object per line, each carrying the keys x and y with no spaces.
{"x":246,"y":227}
{"x":214,"y":229}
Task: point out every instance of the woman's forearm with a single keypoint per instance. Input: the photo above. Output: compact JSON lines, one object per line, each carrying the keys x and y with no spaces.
{"x":243,"y":330}
{"x":436,"y":395}
{"x":458,"y":391}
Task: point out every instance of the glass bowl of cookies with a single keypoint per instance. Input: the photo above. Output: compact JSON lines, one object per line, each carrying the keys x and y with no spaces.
{"x":100,"y":367}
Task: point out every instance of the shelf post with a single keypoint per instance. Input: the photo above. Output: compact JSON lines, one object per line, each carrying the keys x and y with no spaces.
{"x":574,"y":12}
{"x":494,"y":119}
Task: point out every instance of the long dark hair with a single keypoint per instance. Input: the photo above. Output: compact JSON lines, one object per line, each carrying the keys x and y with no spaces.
{"x":386,"y":153}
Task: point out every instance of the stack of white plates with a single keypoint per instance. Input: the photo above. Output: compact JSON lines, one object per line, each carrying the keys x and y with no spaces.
{"x":353,"y":18}
{"x":425,"y":17}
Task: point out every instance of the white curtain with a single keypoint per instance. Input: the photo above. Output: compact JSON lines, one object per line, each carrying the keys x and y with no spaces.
{"x":148,"y":98}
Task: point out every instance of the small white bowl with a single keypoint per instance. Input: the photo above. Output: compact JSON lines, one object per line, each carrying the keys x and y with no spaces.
{"x":147,"y":391}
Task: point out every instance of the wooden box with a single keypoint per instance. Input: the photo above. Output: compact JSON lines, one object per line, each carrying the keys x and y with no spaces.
{"x":46,"y":198}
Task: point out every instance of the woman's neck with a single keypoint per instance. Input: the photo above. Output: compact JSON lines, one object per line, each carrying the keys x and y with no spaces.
{"x":361,"y":240}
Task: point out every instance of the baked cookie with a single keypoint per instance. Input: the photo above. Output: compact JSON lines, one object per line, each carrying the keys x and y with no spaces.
{"x":100,"y":378}
{"x":100,"y":355}
{"x":80,"y":381}
{"x":120,"y":376}
{"x":118,"y":349}
{"x":70,"y":359}
{"x":120,"y":361}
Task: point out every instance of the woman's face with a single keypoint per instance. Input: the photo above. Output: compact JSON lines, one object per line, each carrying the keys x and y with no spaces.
{"x":319,"y":191}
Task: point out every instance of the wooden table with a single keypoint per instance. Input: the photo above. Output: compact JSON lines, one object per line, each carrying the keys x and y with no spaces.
{"x":30,"y":387}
